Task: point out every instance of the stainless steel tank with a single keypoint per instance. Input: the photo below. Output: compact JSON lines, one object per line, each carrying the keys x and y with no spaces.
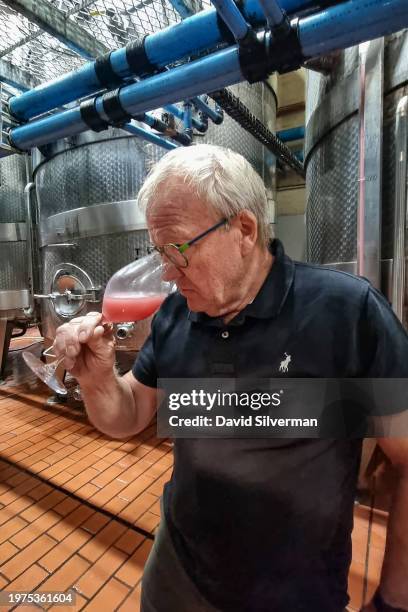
{"x":332,"y":155}
{"x":15,"y":289}
{"x":89,"y":223}
{"x":261,"y":100}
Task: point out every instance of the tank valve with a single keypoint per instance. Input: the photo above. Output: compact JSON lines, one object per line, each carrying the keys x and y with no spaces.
{"x":124,"y":330}
{"x":77,"y":395}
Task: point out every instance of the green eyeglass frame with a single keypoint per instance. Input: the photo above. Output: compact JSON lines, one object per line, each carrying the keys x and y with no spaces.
{"x":175,"y":252}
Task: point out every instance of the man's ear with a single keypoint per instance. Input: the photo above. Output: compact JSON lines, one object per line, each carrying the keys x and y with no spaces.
{"x":248,"y":226}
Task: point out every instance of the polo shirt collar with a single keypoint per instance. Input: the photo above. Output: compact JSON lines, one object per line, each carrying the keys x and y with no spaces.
{"x":271,"y":297}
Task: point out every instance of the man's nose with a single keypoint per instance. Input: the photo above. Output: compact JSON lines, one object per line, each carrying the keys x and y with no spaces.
{"x":171,"y":272}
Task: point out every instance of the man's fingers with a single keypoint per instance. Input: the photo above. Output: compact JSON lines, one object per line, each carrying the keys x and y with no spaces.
{"x":59,"y":345}
{"x":72,"y":350}
{"x":101,"y":338}
{"x":70,"y":336}
{"x":87,"y":330}
{"x":69,"y":363}
{"x":88,"y":325}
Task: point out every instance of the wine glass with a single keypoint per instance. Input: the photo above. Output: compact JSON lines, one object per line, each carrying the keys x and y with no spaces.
{"x":136,"y":291}
{"x":133,"y":293}
{"x":46,"y":371}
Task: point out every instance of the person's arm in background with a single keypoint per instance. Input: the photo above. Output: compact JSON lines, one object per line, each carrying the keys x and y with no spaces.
{"x":388,"y":341}
{"x":393,"y":588}
{"x":118,"y":406}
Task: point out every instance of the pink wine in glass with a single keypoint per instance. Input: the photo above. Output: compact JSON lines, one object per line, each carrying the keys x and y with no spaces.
{"x":123,"y":307}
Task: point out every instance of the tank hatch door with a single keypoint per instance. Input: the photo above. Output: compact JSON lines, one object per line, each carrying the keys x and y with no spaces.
{"x":71,"y":289}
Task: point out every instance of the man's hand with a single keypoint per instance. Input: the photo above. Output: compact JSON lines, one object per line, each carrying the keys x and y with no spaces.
{"x":88,"y":346}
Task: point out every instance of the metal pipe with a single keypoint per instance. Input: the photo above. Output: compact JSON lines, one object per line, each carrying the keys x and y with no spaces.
{"x":220,"y":69}
{"x":164,"y":129}
{"x":351,"y":23}
{"x":195,"y":34}
{"x":177,"y":112}
{"x":186,"y":81}
{"x":149,"y":136}
{"x":273,"y":12}
{"x":232,"y":17}
{"x":401,"y":208}
{"x":291,"y":134}
{"x":183,"y":8}
{"x":29,"y":242}
{"x":216,"y":116}
{"x":188,"y":119}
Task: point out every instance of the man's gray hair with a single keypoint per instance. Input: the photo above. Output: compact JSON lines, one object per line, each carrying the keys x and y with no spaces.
{"x":222,"y":178}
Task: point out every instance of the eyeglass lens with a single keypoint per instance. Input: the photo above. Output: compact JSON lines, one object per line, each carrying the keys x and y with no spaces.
{"x":174,"y":256}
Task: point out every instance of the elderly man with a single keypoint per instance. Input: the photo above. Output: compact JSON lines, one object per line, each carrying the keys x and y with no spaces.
{"x":248,"y":524}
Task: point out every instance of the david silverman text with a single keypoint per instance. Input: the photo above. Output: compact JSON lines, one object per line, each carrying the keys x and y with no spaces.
{"x":248,"y":421}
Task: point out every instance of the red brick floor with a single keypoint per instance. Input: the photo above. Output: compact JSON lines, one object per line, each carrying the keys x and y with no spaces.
{"x":50,"y":541}
{"x":123,"y":477}
{"x":79,"y":510}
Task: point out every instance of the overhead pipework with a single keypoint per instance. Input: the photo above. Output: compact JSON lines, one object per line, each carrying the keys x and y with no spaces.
{"x":201,"y":32}
{"x":233,"y":18}
{"x":216,"y":115}
{"x":149,"y":136}
{"x":188,"y":120}
{"x":198,"y":124}
{"x":162,"y":127}
{"x":291,"y":134}
{"x":275,"y":17}
{"x":318,"y":33}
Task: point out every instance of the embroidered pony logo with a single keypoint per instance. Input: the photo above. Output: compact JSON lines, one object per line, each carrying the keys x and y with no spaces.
{"x":284,"y":364}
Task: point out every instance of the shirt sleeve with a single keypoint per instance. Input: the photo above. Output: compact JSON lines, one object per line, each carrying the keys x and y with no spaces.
{"x":388,"y":342}
{"x":144,"y":368}
{"x":387,"y":339}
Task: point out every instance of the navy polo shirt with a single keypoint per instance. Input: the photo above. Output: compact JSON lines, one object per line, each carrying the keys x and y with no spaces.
{"x":265,"y":524}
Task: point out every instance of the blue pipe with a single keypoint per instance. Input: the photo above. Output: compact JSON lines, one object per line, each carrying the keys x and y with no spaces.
{"x":188,"y":120}
{"x":291,"y":134}
{"x":232,"y":17}
{"x":273,"y":12}
{"x":174,"y":110}
{"x":148,"y":119}
{"x":222,"y":68}
{"x":195,"y":34}
{"x":216,"y":116}
{"x":149,"y":136}
{"x":211,"y":72}
{"x":181,"y":8}
{"x":188,"y":117}
{"x":350,"y":23}
{"x":163,"y":128}
{"x":177,"y":112}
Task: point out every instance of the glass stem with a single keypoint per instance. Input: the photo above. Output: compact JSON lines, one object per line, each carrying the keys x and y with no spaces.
{"x":57,"y":362}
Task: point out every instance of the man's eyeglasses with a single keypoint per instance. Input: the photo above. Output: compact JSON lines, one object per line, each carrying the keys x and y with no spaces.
{"x":175,"y":252}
